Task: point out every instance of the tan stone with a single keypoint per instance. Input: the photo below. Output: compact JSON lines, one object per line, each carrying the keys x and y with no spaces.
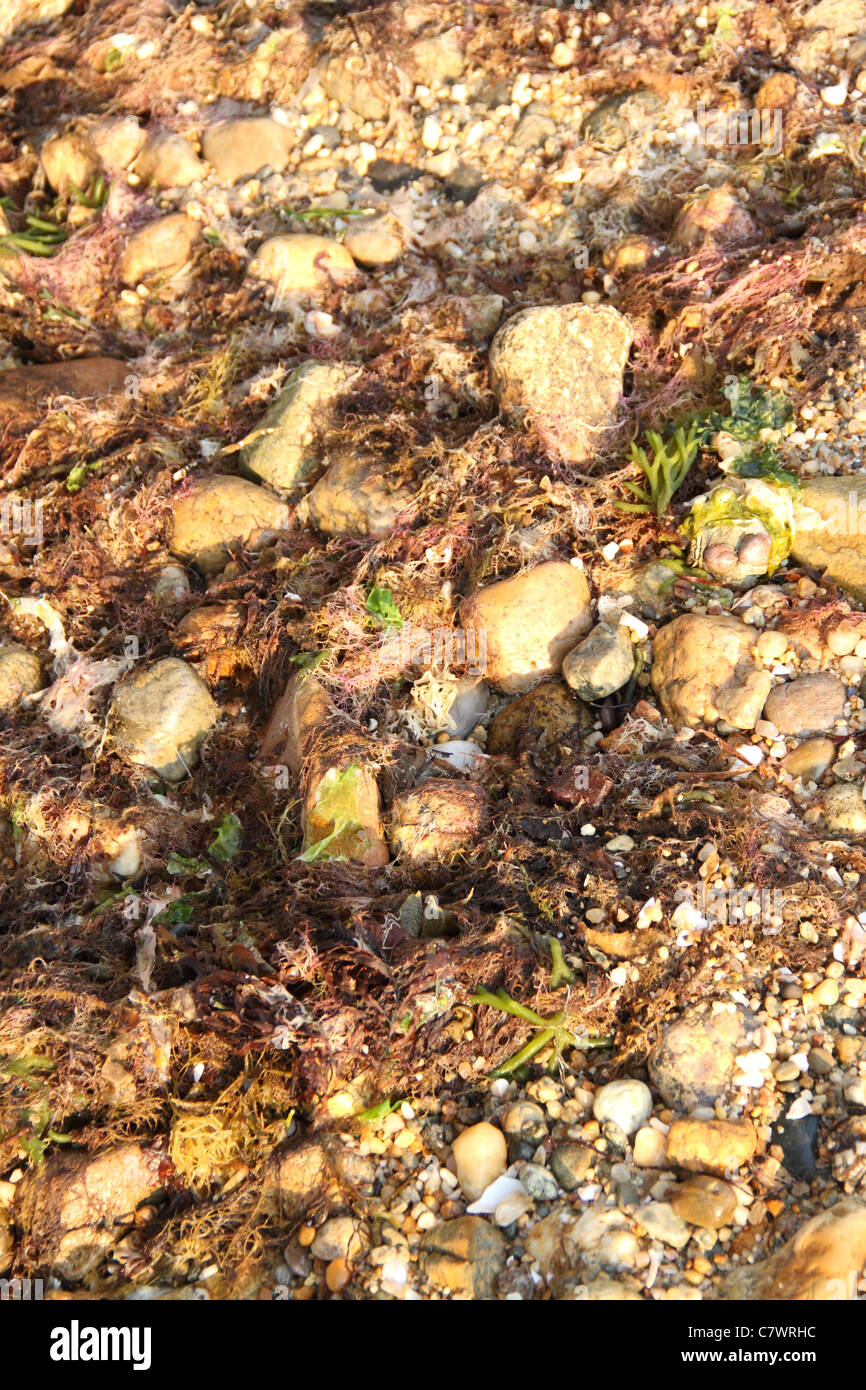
{"x":26,"y":391}
{"x":561,"y":367}
{"x":527,"y":624}
{"x":69,"y":161}
{"x":160,"y":715}
{"x":20,"y":675}
{"x":217,"y":513}
{"x":303,"y":263}
{"x":169,"y":161}
{"x":354,"y":498}
{"x":74,"y":1208}
{"x":298,"y":714}
{"x":822,"y":1262}
{"x":464,"y":1256}
{"x":480,"y":1154}
{"x":711,"y":1146}
{"x":238,"y":149}
{"x":162,"y":249}
{"x":703,"y":671}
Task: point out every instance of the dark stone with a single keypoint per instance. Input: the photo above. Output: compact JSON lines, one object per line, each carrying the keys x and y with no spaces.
{"x":464,"y":183}
{"x":385,"y":175}
{"x":797,"y":1139}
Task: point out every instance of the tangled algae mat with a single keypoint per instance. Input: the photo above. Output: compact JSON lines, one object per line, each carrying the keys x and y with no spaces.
{"x":235,"y":1002}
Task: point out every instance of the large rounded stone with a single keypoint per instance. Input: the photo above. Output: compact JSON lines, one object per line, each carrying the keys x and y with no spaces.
{"x":69,"y":161}
{"x":561,"y":367}
{"x":711,"y":1146}
{"x":217,"y":513}
{"x":703,"y":670}
{"x":524,"y":626}
{"x":693,"y":1062}
{"x":303,"y":263}
{"x":704,"y":1201}
{"x":282,"y":449}
{"x":714,"y":216}
{"x":169,"y":161}
{"x":238,"y":149}
{"x":26,"y":391}
{"x":354,"y":499}
{"x":821,"y":1263}
{"x":464,"y":1256}
{"x":807,"y":705}
{"x":160,"y":717}
{"x":161,"y":249}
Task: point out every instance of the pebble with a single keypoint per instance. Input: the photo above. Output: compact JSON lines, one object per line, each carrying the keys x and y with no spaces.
{"x":570,"y":1164}
{"x":713,"y":1146}
{"x":481,"y":1155}
{"x":704,"y":1201}
{"x":661,"y":1222}
{"x":650,"y":1148}
{"x":626,"y":1103}
{"x":811,"y":759}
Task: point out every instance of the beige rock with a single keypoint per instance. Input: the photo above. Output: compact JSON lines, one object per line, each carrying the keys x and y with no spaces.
{"x":354,"y":499}
{"x":340,"y":1237}
{"x":528,"y":623}
{"x":703,"y":671}
{"x":465,"y":1256}
{"x":693,"y":1062}
{"x":19,"y":15}
{"x":806,"y":705}
{"x":283,"y":450}
{"x":315,"y":1173}
{"x":711,"y":1146}
{"x":836,"y":543}
{"x":843,"y":810}
{"x":162,"y":249}
{"x":69,"y":161}
{"x":351,"y":80}
{"x":650,"y":1148}
{"x":481,"y":1155}
{"x":160,"y":716}
{"x":20,"y":675}
{"x":214,"y":514}
{"x":303,"y":263}
{"x":568,"y":1242}
{"x":545,"y":716}
{"x":821,"y":1263}
{"x":561,"y":367}
{"x":116,"y":141}
{"x":238,"y":149}
{"x":438,"y":59}
{"x":811,"y":760}
{"x":373,"y":242}
{"x":436,"y":820}
{"x":298,"y":714}
{"x":169,"y":161}
{"x":75,"y":1208}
